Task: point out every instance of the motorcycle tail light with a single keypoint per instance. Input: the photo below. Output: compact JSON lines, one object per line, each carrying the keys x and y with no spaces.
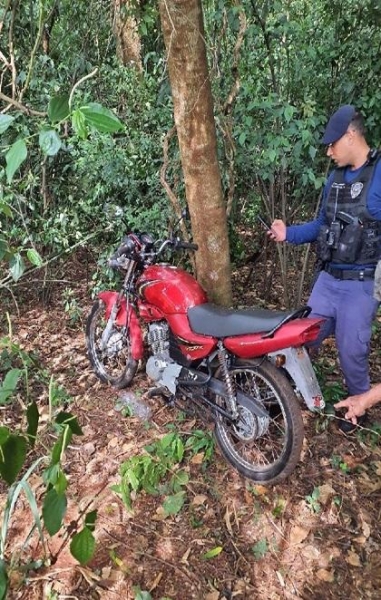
{"x":310,"y":334}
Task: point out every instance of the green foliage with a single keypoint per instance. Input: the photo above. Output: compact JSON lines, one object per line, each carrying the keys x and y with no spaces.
{"x":313,"y":500}
{"x":260,"y":549}
{"x":338,"y":463}
{"x":16,"y":472}
{"x":158,"y":470}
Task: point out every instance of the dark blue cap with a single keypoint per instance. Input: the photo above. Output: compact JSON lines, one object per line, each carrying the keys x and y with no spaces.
{"x":338,"y":124}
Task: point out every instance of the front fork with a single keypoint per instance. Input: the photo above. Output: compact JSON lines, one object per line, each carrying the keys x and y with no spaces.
{"x":297,"y":363}
{"x":119,"y":313}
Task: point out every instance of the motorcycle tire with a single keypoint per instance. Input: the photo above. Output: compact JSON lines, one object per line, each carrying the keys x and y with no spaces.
{"x":113,"y":364}
{"x":263,"y":449}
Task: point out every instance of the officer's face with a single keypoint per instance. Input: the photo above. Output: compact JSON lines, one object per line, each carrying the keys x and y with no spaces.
{"x":340,"y":151}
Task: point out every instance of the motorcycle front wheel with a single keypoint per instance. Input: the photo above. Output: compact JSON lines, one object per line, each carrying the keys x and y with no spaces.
{"x":110,"y":356}
{"x":263,"y":449}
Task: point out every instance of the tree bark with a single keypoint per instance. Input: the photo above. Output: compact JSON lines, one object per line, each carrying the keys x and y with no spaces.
{"x":183,"y":30}
{"x":128,"y":44}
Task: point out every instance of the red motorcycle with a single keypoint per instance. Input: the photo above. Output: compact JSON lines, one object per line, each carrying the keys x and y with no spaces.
{"x":244,"y":369}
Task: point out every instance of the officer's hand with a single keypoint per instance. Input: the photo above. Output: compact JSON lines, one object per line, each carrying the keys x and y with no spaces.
{"x":355,"y":405}
{"x":277,"y":231}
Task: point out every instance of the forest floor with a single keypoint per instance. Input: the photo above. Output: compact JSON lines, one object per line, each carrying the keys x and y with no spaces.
{"x":314,"y":536}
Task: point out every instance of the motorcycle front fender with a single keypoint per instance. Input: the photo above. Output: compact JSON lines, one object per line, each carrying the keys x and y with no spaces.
{"x":297,"y":363}
{"x":125,"y":317}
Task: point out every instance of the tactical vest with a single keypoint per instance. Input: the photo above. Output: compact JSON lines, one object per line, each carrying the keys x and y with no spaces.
{"x":352,"y":235}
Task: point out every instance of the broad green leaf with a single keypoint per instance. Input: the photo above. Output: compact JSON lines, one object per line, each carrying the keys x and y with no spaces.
{"x":212,"y":553}
{"x":12,"y":457}
{"x":9,"y":384}
{"x":50,"y":142}
{"x":53,"y":511}
{"x":5,"y":122}
{"x":4,"y":435}
{"x":58,"y":108}
{"x":61,"y":482}
{"x":101,"y":118}
{"x":90,"y":519}
{"x":3,"y":580}
{"x":173,"y":504}
{"x":17,"y":266}
{"x":5,"y":209}
{"x":288,"y":113}
{"x":61,"y":444}
{"x":34,"y":257}
{"x":32,"y":416}
{"x":78,"y":122}
{"x":15,"y":156}
{"x":82,"y":546}
{"x":64,"y":418}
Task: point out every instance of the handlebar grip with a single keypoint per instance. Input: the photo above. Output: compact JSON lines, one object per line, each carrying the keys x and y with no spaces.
{"x":187,"y":246}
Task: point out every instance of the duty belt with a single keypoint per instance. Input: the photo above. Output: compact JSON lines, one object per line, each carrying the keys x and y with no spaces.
{"x":358,"y":274}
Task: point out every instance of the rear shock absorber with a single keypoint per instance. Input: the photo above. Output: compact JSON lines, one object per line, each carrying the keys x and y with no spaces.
{"x":231,"y":396}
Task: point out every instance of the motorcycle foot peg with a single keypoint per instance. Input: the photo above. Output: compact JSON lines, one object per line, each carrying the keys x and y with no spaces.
{"x":156,"y":391}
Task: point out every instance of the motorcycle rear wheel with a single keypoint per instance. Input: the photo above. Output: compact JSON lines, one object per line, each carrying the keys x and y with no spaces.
{"x":263,"y":449}
{"x":113,"y":364}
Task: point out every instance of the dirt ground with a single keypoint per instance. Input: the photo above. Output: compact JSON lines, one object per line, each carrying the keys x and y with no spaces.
{"x":315,"y":536}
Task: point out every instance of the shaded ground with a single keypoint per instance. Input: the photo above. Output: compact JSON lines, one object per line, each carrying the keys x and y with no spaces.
{"x":315,"y":536}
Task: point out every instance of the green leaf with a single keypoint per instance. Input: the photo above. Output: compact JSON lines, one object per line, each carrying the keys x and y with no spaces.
{"x":141,"y":594}
{"x":9,"y":385}
{"x":78,"y":122}
{"x":65,"y":418}
{"x":53,"y":511}
{"x":4,"y":248}
{"x":34,"y":257}
{"x":3,"y":580}
{"x":173,"y":504}
{"x":50,"y":142}
{"x":61,"y":444}
{"x":260,"y":548}
{"x":17,"y":266}
{"x":90,"y":519}
{"x":288,"y":113}
{"x":82,"y":546}
{"x":212,"y":553}
{"x":15,"y":156}
{"x":12,"y":457}
{"x":58,"y":108}
{"x":4,"y":435}
{"x":32,"y":416}
{"x":5,"y":122}
{"x":101,"y":118}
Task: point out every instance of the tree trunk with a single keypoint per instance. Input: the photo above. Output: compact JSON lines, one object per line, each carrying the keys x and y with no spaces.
{"x":128,"y":44}
{"x":183,"y":29}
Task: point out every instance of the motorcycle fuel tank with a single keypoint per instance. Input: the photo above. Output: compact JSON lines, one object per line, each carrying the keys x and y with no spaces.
{"x":170,"y":289}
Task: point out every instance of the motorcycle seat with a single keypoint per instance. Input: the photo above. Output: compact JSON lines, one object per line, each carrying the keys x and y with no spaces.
{"x":217,"y":321}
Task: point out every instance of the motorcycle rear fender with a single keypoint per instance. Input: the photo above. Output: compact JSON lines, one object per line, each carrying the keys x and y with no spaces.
{"x":297,"y":363}
{"x":125,"y":317}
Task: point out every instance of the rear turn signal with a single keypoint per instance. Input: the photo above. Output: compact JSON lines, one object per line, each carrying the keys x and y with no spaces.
{"x":280,"y":360}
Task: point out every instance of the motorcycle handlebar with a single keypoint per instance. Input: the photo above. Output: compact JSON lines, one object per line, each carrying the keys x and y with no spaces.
{"x":186,"y":245}
{"x":117,"y":260}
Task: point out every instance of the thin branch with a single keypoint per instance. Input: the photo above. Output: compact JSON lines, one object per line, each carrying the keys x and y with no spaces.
{"x":22,"y":107}
{"x":79,"y":83}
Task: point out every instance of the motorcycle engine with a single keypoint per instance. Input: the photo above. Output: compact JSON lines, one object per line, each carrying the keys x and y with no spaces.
{"x":160,"y":367}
